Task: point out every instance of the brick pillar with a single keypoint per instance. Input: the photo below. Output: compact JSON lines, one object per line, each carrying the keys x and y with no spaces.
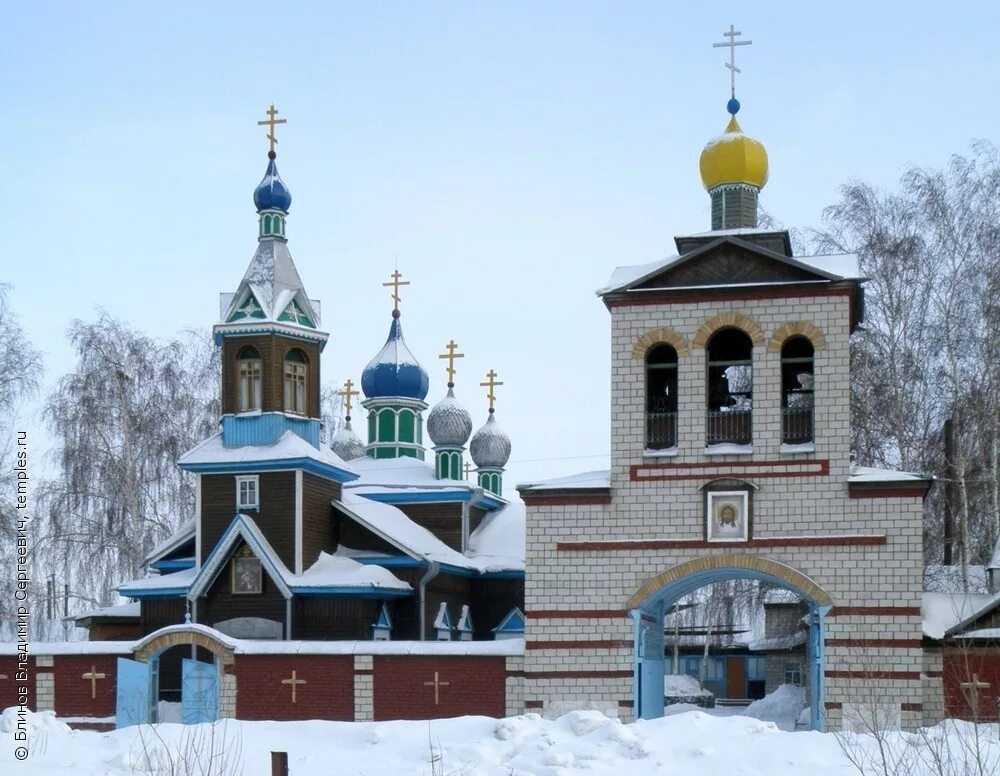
{"x":514,"y":685}
{"x":227,"y":696}
{"x":45,"y":685}
{"x":364,"y":688}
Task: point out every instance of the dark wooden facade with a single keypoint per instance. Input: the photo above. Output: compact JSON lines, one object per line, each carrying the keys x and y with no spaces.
{"x":272,"y":349}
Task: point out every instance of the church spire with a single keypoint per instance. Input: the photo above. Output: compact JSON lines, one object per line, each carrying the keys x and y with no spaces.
{"x":733,"y":165}
{"x":490,"y":446}
{"x":449,"y":424}
{"x":272,"y":197}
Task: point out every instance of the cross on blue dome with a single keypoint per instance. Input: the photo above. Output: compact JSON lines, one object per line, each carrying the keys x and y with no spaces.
{"x":395,"y":371}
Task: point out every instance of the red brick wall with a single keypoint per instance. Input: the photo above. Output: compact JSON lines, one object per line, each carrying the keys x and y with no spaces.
{"x":476,"y":685}
{"x":73,"y":691}
{"x":327,"y":694}
{"x":9,"y":687}
{"x":959,"y":667}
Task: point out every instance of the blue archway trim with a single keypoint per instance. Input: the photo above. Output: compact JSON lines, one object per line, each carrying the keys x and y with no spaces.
{"x":653,"y":607}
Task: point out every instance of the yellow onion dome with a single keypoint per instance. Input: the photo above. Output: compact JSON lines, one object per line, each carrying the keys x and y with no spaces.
{"x":733,"y":158}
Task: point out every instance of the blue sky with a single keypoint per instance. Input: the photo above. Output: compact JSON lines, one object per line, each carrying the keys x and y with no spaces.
{"x":510,"y":154}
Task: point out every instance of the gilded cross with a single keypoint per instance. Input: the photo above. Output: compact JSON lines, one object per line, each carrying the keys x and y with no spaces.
{"x":294,"y":682}
{"x":731,"y":44}
{"x":346,"y":393}
{"x":396,"y":283}
{"x":451,"y":356}
{"x":437,"y":684}
{"x":93,"y":676}
{"x":468,"y":469}
{"x":270,"y":122}
{"x":490,"y":386}
{"x":971,"y":691}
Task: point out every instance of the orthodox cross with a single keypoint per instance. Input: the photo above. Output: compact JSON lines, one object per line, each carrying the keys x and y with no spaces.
{"x":437,"y":684}
{"x":731,"y":44}
{"x":93,"y":676}
{"x":294,"y":682}
{"x":468,"y":469}
{"x":396,"y":283}
{"x":346,"y":393}
{"x":451,"y":356}
{"x":4,"y":676}
{"x":490,"y":386}
{"x":270,"y":122}
{"x":971,"y":691}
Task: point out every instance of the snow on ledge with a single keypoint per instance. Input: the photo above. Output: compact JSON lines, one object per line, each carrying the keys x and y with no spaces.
{"x":52,"y":648}
{"x":805,"y":447}
{"x":727,"y":448}
{"x":666,"y":452}
{"x":600,"y":478}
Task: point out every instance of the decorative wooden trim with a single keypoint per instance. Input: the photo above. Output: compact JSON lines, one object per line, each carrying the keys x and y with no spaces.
{"x":873,"y":540}
{"x":733,"y":470}
{"x":874,"y":611}
{"x":578,"y":674}
{"x":870,"y":675}
{"x":594,"y":644}
{"x":656,"y":337}
{"x":877,"y":643}
{"x":728,"y":320}
{"x":563,"y":501}
{"x":909,"y":491}
{"x":576,"y":614}
{"x":643,"y":299}
{"x":791,"y":329}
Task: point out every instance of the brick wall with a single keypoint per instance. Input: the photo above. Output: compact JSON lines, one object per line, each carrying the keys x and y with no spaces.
{"x":960,"y":666}
{"x":404,"y":686}
{"x":10,"y":683}
{"x":328,"y":692}
{"x":73,"y":692}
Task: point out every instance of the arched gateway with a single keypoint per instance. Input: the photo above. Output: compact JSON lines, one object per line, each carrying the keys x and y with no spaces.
{"x":648,"y":604}
{"x":201,"y":665}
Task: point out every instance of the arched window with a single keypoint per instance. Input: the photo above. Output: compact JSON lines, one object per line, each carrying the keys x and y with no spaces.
{"x":797,"y":391}
{"x":661,"y":397}
{"x":248,"y":369}
{"x":730,"y":388}
{"x":296,"y":365}
{"x":266,"y":224}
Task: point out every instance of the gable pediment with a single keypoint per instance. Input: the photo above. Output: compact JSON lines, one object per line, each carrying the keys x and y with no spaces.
{"x":730,"y":263}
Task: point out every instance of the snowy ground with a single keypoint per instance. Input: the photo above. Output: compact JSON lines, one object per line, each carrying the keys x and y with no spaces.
{"x":580,"y":742}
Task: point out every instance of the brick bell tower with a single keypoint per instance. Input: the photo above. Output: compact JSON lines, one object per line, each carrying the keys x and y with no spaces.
{"x":730,"y":459}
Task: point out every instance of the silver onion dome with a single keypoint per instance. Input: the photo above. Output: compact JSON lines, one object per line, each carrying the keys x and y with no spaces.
{"x":490,"y":446}
{"x":449,"y":423}
{"x":346,"y":443}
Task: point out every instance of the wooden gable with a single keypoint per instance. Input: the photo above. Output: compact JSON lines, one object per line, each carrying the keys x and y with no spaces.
{"x":728,"y":262}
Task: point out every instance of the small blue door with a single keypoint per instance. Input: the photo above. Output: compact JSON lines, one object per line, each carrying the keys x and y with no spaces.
{"x":650,"y":668}
{"x":199,"y":692}
{"x":132,"y":697}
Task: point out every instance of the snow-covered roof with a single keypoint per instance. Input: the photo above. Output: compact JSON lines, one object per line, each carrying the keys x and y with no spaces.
{"x":785,"y":641}
{"x":832,"y":267}
{"x":995,"y":558}
{"x":178,"y":581}
{"x":328,"y":571}
{"x":377,"y":475}
{"x":338,"y":571}
{"x":394,"y":526}
{"x":944,"y":612}
{"x":183,"y":534}
{"x":600,"y":478}
{"x":289,"y":447}
{"x":870,"y":474}
{"x":122,"y":611}
{"x":499,"y":539}
{"x":781,"y":595}
{"x":443,"y":619}
{"x":989,"y":634}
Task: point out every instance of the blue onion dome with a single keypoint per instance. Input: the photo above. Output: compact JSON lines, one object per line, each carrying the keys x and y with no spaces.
{"x":346,"y":444}
{"x":490,"y":446}
{"x":449,"y":423}
{"x":272,"y":193}
{"x":395,"y":371}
